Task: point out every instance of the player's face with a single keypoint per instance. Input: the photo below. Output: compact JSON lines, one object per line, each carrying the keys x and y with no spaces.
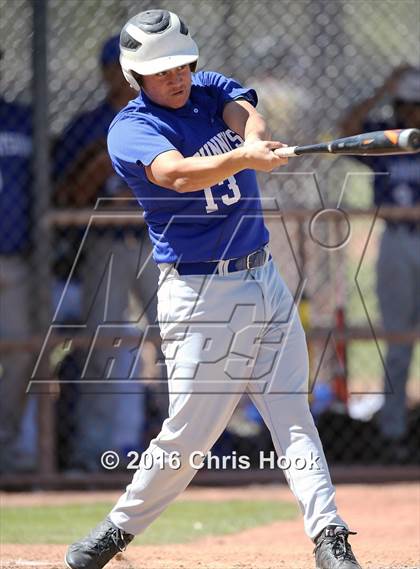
{"x":169,"y":88}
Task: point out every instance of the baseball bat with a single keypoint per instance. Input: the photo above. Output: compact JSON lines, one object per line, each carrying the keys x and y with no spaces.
{"x":401,"y":141}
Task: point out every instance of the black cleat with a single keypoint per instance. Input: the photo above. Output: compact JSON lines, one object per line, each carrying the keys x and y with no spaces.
{"x":99,"y":547}
{"x":333,"y":551}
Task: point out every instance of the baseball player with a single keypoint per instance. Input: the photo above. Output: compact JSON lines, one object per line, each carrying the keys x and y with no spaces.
{"x":398,"y":268}
{"x":188,"y":146}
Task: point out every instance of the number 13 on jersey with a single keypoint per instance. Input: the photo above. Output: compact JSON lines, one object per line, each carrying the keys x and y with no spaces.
{"x":227,"y":199}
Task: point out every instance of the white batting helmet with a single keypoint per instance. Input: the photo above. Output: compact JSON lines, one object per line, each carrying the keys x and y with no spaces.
{"x":154,"y":41}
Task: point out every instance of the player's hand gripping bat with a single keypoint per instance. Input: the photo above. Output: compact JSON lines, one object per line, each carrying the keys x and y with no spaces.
{"x":380,"y":142}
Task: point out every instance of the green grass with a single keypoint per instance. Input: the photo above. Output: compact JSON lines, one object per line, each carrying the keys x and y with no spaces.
{"x":182,"y":522}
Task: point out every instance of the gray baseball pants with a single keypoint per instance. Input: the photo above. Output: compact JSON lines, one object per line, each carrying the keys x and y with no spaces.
{"x":224,"y":336}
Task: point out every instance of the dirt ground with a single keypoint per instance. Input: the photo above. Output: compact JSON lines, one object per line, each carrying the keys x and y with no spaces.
{"x":386,"y":517}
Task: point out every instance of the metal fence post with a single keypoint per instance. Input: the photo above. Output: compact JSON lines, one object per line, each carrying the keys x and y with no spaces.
{"x":41,"y":232}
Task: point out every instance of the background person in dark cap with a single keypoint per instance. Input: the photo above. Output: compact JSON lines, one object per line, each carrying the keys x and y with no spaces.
{"x":106,"y":417}
{"x":398,"y":269}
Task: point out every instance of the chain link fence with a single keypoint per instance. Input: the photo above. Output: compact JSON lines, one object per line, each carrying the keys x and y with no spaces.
{"x":310,"y":62}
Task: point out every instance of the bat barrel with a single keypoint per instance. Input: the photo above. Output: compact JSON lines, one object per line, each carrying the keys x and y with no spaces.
{"x":378,"y":143}
{"x":369,"y":143}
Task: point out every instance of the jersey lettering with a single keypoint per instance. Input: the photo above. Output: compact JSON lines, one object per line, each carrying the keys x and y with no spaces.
{"x":219,"y":144}
{"x":234,"y":137}
{"x":223,"y":142}
{"x":211,"y":205}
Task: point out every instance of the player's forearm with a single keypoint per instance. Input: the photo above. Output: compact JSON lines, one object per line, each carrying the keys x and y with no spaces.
{"x":174,"y":171}
{"x":256,"y":129}
{"x":241,"y":117}
{"x":198,"y":172}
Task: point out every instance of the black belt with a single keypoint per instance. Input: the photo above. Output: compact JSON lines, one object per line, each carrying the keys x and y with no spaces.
{"x":255,"y":259}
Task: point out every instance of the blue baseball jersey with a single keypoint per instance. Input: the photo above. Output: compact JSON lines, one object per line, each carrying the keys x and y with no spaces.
{"x":220,"y":222}
{"x":15,"y":176}
{"x":397,"y":180}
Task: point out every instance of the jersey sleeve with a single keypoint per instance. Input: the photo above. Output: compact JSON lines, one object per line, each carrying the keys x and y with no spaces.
{"x":227,"y":89}
{"x":134,"y":140}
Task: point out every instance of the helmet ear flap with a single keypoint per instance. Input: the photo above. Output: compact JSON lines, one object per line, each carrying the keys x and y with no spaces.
{"x":131,"y":80}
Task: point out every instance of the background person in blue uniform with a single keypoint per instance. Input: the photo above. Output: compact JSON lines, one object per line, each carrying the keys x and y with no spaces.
{"x":398,"y":267}
{"x":15,"y":324}
{"x":106,"y":417}
{"x":220,"y":298}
